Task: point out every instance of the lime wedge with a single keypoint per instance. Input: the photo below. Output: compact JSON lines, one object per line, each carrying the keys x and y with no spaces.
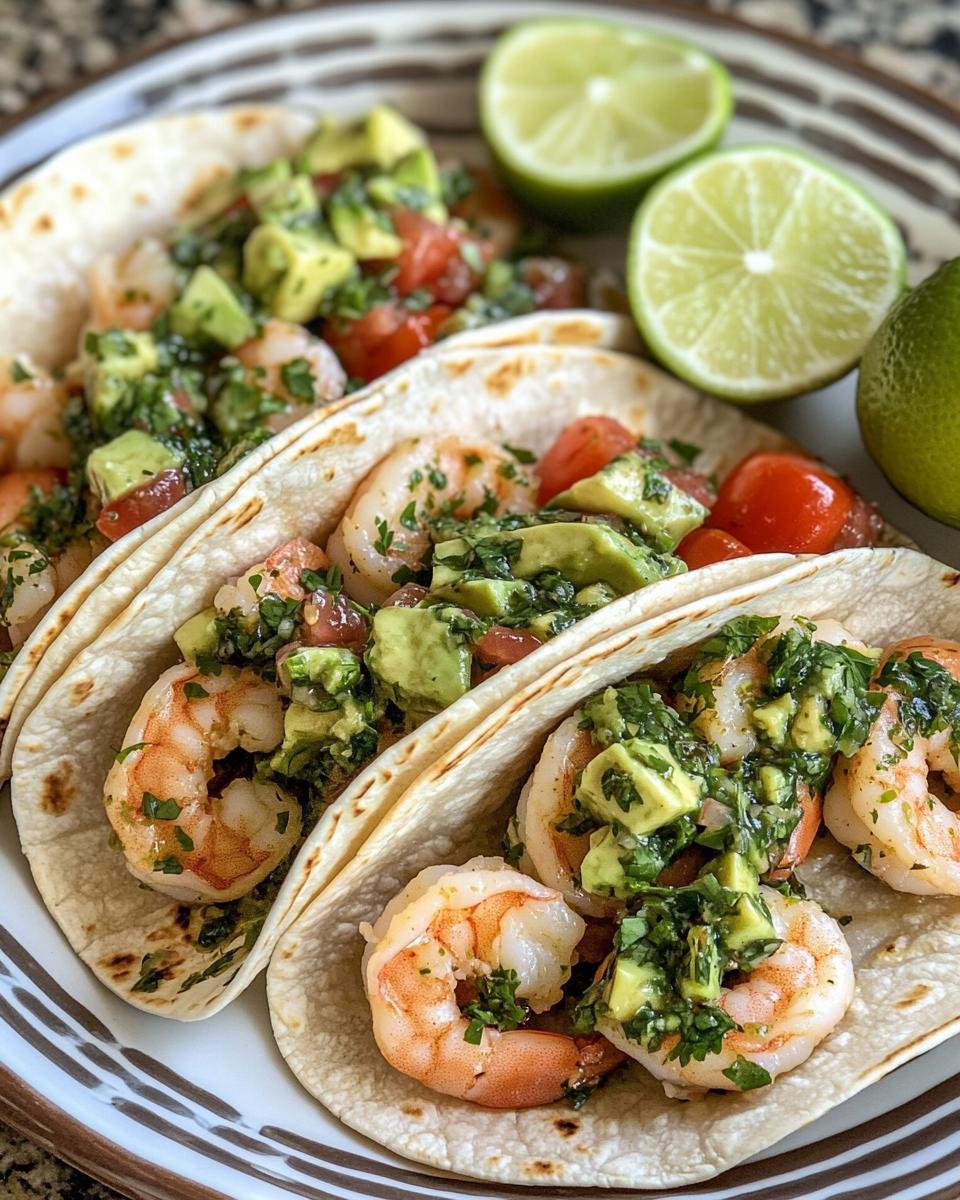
{"x":582,"y":114}
{"x":758,"y":272}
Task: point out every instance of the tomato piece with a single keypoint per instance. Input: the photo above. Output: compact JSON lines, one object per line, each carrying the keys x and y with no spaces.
{"x":779,"y":501}
{"x":803,"y":834}
{"x":555,"y":282}
{"x":383,"y":338}
{"x":326,"y":182}
{"x":427,"y":249}
{"x":139,"y":506}
{"x":282,"y":568}
{"x":704,"y":546}
{"x":409,"y":596}
{"x":586,"y":445}
{"x":416,"y":333}
{"x":331,"y":620}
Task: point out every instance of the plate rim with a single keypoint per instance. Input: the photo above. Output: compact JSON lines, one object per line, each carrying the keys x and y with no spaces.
{"x":22,"y":1107}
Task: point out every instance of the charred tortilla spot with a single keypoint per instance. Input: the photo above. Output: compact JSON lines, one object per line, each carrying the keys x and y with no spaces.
{"x":911,"y":1049}
{"x":248,"y":120}
{"x":951,"y":578}
{"x":80,"y":691}
{"x":309,"y":864}
{"x":123,"y":150}
{"x":541,"y":1167}
{"x":141,"y":198}
{"x":117,"y":962}
{"x":504,"y":379}
{"x":458,"y":367}
{"x":247,"y":513}
{"x":576,"y":333}
{"x":183,"y":917}
{"x":914,"y":996}
{"x":411,"y":1110}
{"x":57,"y":792}
{"x":531,"y":337}
{"x":78,"y":191}
{"x":566,"y":1127}
{"x":343,"y":435}
{"x":89,"y":930}
{"x":43,"y":224}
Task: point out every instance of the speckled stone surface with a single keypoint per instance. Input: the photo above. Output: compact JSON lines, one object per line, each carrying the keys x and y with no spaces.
{"x":46,"y":44}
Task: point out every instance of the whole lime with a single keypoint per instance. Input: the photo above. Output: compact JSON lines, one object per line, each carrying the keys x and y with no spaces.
{"x":908,"y":397}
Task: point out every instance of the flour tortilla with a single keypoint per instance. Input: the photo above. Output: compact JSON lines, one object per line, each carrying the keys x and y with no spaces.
{"x":906,"y":948}
{"x":100,"y":197}
{"x":523,"y":396}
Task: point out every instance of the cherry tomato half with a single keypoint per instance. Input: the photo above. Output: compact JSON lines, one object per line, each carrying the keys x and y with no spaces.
{"x":704,"y":546}
{"x":383,"y":338}
{"x":585,"y":446}
{"x":139,"y":506}
{"x":777,"y":501}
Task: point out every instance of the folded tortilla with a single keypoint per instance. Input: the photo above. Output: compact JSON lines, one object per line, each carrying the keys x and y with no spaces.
{"x":906,"y":949}
{"x":523,"y":396}
{"x":100,"y":197}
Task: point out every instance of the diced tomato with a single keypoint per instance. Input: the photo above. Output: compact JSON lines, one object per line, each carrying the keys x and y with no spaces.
{"x":704,"y":546}
{"x":499,"y":647}
{"x":326,"y":182}
{"x":490,"y":206}
{"x":694,"y":484}
{"x":383,"y":338}
{"x":779,"y":501}
{"x":139,"y":506}
{"x":409,"y":596}
{"x":555,"y":282}
{"x":331,"y":620}
{"x":803,"y":834}
{"x":585,"y":446}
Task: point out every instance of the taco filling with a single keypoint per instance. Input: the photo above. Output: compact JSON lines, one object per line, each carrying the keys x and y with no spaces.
{"x":280,"y":289}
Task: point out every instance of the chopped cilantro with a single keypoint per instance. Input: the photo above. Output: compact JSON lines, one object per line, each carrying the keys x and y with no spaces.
{"x":383,"y":543}
{"x":298,"y":379}
{"x":159,"y":810}
{"x":121,"y":755}
{"x":684,"y":450}
{"x":183,"y":838}
{"x":169,"y":866}
{"x":746,"y":1075}
{"x":522,"y":456}
{"x":194,"y":691}
{"x":495,"y":1006}
{"x":19,"y":373}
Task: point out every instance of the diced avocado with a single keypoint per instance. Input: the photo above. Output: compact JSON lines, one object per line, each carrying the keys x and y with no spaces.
{"x":634,"y":986}
{"x":391,"y":137}
{"x":414,"y":183}
{"x":211,"y":307}
{"x":364,"y":231}
{"x":631,"y":488}
{"x":772,"y":718}
{"x":645,"y":789}
{"x":809,"y":731}
{"x":197,"y":637}
{"x":598,"y":595}
{"x":486,"y":597}
{"x":419,"y":169}
{"x":258,"y":184}
{"x":218,"y":197}
{"x":443,"y":574}
{"x":305,"y":733}
{"x":290,"y":271}
{"x":601,"y":872}
{"x":734,"y":872}
{"x":286,"y":200}
{"x":776,"y":786}
{"x":332,"y":667}
{"x":113,"y":359}
{"x":701,"y":980}
{"x":604,"y":712}
{"x":543,"y":626}
{"x":126,"y":463}
{"x":750,"y":923}
{"x":586,"y":554}
{"x":418,"y":661}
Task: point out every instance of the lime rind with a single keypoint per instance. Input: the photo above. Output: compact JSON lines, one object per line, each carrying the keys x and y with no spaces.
{"x":769,"y":280}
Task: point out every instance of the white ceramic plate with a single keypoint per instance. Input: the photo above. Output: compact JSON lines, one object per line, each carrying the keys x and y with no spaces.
{"x":164,"y":1110}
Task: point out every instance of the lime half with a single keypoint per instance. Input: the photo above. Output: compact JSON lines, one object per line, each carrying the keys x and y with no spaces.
{"x":758,"y":272}
{"x":582,"y":114}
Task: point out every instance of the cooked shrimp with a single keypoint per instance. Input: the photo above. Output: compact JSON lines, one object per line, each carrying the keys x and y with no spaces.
{"x":728,"y":722}
{"x":130,"y":290}
{"x":884,"y":790}
{"x":284,"y":345}
{"x":177,"y":837}
{"x":279,"y":574}
{"x":31,"y":579}
{"x":458,"y":923}
{"x":386,"y":527}
{"x":785,"y":1006}
{"x":549,"y":855}
{"x":31,"y":429}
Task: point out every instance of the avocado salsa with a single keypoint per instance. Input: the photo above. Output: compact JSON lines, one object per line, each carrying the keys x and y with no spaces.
{"x":355,"y":678}
{"x":280,"y":288}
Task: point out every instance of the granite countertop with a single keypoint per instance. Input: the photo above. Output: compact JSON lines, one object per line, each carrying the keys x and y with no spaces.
{"x":45,"y":44}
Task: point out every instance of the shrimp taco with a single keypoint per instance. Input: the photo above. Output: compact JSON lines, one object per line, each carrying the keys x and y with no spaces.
{"x":345,"y":617}
{"x":179,"y":292}
{"x":645,"y":910}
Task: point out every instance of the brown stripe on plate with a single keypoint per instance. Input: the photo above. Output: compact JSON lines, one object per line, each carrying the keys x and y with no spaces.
{"x":754,"y":111}
{"x":398,"y":71}
{"x":778,"y":83}
{"x":45,"y":983}
{"x":886,"y":126}
{"x":176,"y":1083}
{"x":19,"y":1024}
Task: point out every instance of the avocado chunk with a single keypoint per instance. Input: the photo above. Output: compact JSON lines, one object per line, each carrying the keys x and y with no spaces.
{"x":111,"y":361}
{"x":634,"y":986}
{"x":776,"y":787}
{"x":334,"y":668}
{"x":382,"y":138}
{"x":307,"y":733}
{"x":810,"y":730}
{"x":209,"y":306}
{"x":365,"y":232}
{"x":586,"y":554}
{"x":631,"y":488}
{"x":414,"y":183}
{"x":126,"y":463}
{"x":772,"y":719}
{"x":639,"y":784}
{"x":286,"y":201}
{"x":734,"y":872}
{"x":218,"y":197}
{"x":702,"y":974}
{"x":198,"y":637}
{"x":445,"y":574}
{"x":486,"y":597}
{"x":597,"y":595}
{"x":749,"y":925}
{"x":290,"y":271}
{"x":601,"y":872}
{"x":418,"y":661}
